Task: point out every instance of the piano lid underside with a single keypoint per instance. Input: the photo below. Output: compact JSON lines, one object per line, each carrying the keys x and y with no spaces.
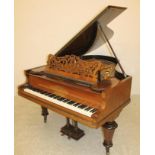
{"x":82,"y":43}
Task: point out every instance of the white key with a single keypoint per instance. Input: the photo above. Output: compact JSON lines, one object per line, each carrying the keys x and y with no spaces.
{"x":61,"y":103}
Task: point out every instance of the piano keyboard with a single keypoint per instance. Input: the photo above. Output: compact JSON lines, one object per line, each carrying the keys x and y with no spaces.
{"x":61,"y":101}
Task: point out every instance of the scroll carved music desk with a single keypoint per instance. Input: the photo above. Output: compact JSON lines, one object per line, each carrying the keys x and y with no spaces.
{"x":83,"y":88}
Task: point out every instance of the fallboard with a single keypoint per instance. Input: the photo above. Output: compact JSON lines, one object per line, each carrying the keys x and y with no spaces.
{"x":73,"y":92}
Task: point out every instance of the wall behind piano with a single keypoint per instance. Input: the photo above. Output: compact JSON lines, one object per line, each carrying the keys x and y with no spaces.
{"x":42,"y":27}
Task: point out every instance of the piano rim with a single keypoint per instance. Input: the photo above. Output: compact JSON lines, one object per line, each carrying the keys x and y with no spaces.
{"x":88,"y":121}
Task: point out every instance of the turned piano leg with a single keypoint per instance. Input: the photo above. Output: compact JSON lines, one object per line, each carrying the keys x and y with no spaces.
{"x":108,"y":132}
{"x":44,"y":113}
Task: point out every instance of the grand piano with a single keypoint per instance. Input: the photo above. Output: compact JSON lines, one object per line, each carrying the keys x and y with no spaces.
{"x":83,"y":88}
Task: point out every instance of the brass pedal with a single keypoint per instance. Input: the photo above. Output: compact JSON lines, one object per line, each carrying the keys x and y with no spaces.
{"x":72,"y":131}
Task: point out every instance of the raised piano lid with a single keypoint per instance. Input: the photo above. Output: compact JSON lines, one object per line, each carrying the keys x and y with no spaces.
{"x":80,"y":43}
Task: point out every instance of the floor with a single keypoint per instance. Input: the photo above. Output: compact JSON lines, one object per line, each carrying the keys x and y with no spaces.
{"x":33,"y":137}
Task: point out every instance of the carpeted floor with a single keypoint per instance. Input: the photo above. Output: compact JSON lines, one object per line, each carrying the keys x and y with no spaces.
{"x":33,"y":137}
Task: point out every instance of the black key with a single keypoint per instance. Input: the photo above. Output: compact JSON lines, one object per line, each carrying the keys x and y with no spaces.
{"x":66,"y":100}
{"x":56,"y":97}
{"x":42,"y":92}
{"x":51,"y":95}
{"x":59,"y":98}
{"x":32,"y":89}
{"x":87,"y":109}
{"x":82,"y":106}
{"x":70,"y":102}
{"x":91,"y":109}
{"x":94,"y":110}
{"x":77,"y":104}
{"x":62,"y":98}
{"x":47,"y":93}
{"x":35,"y":89}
